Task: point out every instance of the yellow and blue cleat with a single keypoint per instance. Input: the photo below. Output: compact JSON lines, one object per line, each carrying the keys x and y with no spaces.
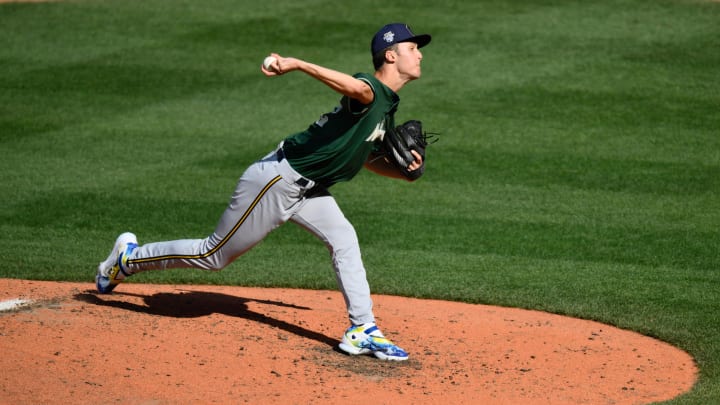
{"x":113,"y":270}
{"x":366,"y":339}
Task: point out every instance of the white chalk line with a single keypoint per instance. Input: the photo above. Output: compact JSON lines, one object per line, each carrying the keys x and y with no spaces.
{"x":9,"y":305}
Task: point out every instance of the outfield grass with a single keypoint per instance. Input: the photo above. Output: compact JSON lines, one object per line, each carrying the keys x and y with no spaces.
{"x":578,"y":170}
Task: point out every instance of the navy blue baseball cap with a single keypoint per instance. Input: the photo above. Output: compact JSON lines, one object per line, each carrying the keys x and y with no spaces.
{"x":395,"y":33}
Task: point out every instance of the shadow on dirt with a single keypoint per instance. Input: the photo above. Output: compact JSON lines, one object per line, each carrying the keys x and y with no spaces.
{"x":195,"y":304}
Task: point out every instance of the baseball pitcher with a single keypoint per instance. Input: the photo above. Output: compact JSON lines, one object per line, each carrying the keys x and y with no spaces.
{"x":292,"y":182}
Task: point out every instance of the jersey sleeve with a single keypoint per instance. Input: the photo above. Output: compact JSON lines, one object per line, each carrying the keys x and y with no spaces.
{"x":354,"y":106}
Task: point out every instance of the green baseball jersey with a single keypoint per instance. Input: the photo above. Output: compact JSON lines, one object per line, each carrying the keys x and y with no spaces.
{"x":335,"y":147}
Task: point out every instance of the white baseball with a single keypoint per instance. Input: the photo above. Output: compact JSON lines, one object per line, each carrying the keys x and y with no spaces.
{"x":268,"y":63}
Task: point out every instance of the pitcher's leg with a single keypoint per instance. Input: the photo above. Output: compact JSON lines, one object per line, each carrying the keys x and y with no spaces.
{"x":184,"y":253}
{"x":261,"y":202}
{"x":322,"y":217}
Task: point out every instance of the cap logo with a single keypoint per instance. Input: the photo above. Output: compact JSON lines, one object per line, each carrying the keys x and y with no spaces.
{"x":389,"y":36}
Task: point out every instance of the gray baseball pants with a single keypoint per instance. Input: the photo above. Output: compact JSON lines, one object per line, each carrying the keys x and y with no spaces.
{"x":268,"y":194}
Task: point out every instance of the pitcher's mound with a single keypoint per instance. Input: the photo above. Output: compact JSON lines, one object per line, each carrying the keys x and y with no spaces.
{"x":160,"y":344}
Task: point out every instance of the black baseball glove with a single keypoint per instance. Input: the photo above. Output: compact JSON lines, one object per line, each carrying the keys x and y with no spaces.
{"x":399,"y":141}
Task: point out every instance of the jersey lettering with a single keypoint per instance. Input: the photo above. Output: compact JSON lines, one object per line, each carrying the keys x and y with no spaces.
{"x":325,"y":117}
{"x":377,"y":133}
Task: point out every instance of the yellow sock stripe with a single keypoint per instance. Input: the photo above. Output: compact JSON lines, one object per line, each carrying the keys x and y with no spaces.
{"x":223,"y":241}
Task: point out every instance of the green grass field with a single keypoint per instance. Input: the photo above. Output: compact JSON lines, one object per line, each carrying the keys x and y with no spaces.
{"x":578,"y":170}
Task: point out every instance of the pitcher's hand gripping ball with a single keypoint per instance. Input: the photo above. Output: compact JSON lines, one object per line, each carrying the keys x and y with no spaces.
{"x":269,"y":63}
{"x":399,"y":141}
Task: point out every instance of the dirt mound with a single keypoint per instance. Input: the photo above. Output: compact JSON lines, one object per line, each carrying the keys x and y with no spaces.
{"x":161,"y":344}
